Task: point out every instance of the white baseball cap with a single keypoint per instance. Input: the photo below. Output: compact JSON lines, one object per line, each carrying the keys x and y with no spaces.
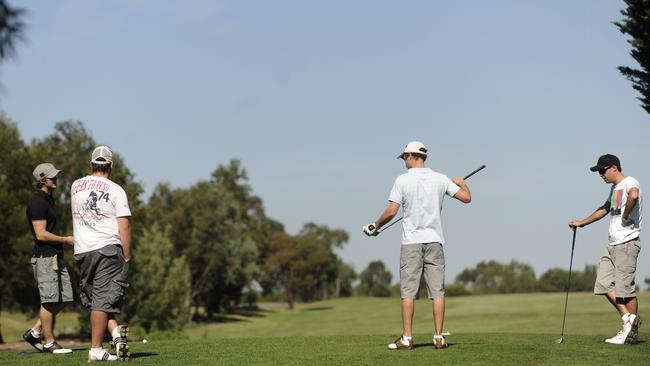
{"x":45,"y":170}
{"x":102,"y":155}
{"x":415,"y":147}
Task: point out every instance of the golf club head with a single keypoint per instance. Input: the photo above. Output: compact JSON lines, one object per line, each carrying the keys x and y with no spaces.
{"x":559,"y":340}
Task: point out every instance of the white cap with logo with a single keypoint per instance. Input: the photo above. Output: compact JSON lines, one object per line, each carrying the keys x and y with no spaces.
{"x":415,"y":147}
{"x":102,"y":155}
{"x":45,"y":170}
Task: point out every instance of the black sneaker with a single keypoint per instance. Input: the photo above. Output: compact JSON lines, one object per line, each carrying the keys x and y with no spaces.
{"x":56,"y":348}
{"x":121,"y":344}
{"x":33,"y":341}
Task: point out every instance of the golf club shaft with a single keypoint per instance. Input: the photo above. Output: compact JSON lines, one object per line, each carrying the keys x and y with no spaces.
{"x":467,"y":176}
{"x":568,"y":285}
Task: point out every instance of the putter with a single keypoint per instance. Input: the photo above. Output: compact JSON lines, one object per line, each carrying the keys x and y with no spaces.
{"x":568,"y":285}
{"x":398,"y":220}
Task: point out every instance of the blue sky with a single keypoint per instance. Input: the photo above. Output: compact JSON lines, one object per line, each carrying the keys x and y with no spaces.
{"x":317,"y":99}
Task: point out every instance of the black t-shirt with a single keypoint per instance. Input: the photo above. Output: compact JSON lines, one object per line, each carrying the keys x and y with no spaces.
{"x":41,"y":207}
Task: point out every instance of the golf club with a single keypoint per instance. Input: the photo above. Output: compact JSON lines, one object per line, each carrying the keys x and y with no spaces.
{"x":568,"y":285}
{"x":398,"y":220}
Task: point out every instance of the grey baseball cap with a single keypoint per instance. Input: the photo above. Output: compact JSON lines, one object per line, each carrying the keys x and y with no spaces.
{"x":102,"y":155}
{"x":45,"y":170}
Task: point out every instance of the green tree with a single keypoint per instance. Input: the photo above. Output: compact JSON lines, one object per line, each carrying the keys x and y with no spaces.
{"x":17,"y":287}
{"x":11,"y":29}
{"x":282,"y":265}
{"x":494,"y":277}
{"x":636,"y":24}
{"x":555,"y":279}
{"x":221,"y":228}
{"x":346,"y":275}
{"x":158,"y":297}
{"x":317,"y":244}
{"x":375,"y":280}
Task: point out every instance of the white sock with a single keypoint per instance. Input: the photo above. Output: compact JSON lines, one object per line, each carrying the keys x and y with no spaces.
{"x":406,"y":340}
{"x":48,"y":344}
{"x":36,"y":333}
{"x":116,"y":332}
{"x":97,"y":350}
{"x":625,"y":317}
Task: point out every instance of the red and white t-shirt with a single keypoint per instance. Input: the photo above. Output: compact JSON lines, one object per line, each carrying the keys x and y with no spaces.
{"x":97,"y":202}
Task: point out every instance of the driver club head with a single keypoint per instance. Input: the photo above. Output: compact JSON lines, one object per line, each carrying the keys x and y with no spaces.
{"x":559,"y":340}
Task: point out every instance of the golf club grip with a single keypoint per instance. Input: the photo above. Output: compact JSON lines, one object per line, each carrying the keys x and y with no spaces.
{"x":467,"y":176}
{"x":475,"y":171}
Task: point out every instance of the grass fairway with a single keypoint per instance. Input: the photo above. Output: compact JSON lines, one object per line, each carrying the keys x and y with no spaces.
{"x":486,"y":330}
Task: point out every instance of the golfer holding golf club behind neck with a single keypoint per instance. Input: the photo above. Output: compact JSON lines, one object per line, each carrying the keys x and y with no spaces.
{"x":617,"y":267}
{"x":420,"y":192}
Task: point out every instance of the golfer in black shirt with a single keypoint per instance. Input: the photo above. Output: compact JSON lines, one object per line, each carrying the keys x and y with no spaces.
{"x":47,"y":261}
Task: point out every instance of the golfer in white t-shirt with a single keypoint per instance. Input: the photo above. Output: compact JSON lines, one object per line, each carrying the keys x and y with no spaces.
{"x":615,"y":278}
{"x":420,"y":192}
{"x":102,"y":247}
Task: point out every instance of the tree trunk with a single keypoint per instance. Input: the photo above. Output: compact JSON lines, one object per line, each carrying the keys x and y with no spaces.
{"x":337,"y":292}
{"x":290,"y":300}
{"x":2,"y":341}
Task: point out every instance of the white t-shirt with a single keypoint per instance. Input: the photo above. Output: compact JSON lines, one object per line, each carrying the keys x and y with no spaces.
{"x":97,"y":202}
{"x":420,"y":192}
{"x":617,"y":198}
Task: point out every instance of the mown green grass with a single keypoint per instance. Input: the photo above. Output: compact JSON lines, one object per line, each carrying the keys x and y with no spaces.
{"x":486,"y":330}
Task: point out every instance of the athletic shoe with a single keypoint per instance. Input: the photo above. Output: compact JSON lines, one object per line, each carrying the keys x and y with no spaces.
{"x":401,"y":343}
{"x":439,"y":342}
{"x":631,"y":327}
{"x":121,"y":344}
{"x":100,"y":355}
{"x":33,"y":340}
{"x":634,"y":334}
{"x":55,"y":348}
{"x":619,"y":338}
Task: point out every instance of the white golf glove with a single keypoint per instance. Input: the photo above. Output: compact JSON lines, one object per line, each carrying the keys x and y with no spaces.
{"x":371,"y":229}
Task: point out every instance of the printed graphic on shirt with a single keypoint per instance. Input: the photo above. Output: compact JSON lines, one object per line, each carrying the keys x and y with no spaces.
{"x":616,"y":202}
{"x":90,"y":212}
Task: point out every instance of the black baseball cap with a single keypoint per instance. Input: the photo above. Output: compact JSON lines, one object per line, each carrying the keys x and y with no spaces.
{"x":605,"y":161}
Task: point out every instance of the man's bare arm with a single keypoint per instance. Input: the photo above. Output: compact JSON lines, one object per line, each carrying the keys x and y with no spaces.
{"x":40,"y":229}
{"x":124,"y":225}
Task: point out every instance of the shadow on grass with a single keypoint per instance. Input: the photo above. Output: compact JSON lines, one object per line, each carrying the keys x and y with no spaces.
{"x":232,"y":316}
{"x":137,"y":355}
{"x":320,"y":308}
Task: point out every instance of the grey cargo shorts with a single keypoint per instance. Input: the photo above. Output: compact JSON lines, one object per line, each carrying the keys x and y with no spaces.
{"x":103,"y":278}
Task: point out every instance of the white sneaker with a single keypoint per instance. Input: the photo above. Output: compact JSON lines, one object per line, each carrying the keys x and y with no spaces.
{"x":100,"y":355}
{"x":120,"y":342}
{"x":56,"y":348}
{"x":631,"y":327}
{"x":439,"y":342}
{"x":401,"y":343}
{"x":619,"y":338}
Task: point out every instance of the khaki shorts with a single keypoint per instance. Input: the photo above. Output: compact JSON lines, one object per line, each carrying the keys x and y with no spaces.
{"x":418,"y":259}
{"x":53,"y":279}
{"x":617,"y":269}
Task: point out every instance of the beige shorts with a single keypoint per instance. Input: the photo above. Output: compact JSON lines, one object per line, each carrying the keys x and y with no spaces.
{"x":53,"y":279}
{"x":418,"y":259}
{"x":617,"y":269}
